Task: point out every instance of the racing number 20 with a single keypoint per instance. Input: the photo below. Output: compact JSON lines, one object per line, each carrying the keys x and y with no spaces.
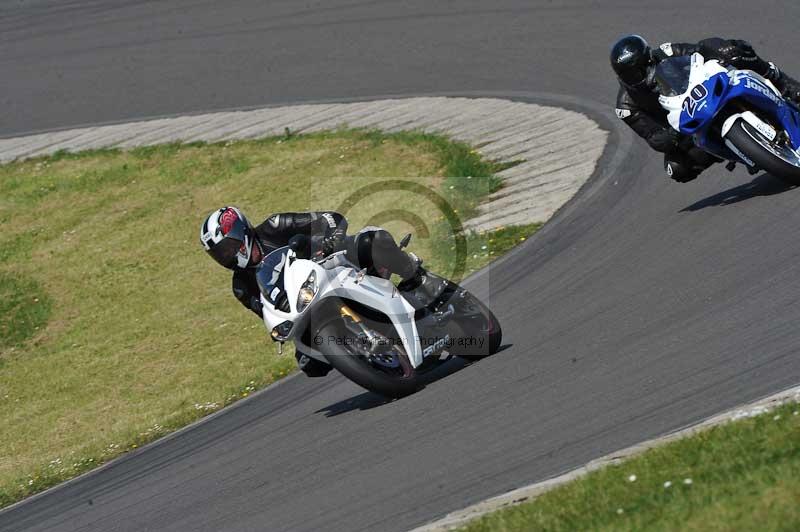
{"x":697,"y":95}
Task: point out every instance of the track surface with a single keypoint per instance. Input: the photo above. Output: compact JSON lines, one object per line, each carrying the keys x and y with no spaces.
{"x":647,"y":305}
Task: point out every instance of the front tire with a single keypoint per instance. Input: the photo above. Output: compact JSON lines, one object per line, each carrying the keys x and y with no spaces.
{"x":776,"y":159}
{"x":347,"y":361}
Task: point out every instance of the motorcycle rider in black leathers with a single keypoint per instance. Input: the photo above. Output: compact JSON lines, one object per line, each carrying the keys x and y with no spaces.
{"x":232,"y":241}
{"x":637,"y":101}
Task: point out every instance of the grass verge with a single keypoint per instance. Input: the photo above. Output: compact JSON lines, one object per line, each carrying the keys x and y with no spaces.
{"x":743,"y":475}
{"x":116,"y":328}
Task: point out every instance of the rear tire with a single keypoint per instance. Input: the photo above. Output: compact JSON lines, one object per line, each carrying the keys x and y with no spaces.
{"x":358,"y":370}
{"x":764,"y":153}
{"x":482,"y":324}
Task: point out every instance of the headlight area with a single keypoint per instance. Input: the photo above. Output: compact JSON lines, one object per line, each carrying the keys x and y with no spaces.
{"x":307,"y":292}
{"x":281,"y":332}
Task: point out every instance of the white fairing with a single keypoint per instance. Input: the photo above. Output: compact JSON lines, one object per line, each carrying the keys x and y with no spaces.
{"x":700,"y":71}
{"x":338,"y":278}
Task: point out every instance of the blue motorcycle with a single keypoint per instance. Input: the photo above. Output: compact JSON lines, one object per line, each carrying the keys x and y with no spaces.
{"x":735,"y":115}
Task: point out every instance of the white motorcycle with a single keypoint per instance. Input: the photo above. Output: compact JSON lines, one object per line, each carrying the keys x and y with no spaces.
{"x":381,"y":338}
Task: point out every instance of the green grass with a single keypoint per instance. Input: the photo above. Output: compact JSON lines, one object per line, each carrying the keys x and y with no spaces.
{"x":116,"y":328}
{"x":743,"y":475}
{"x":24,"y":308}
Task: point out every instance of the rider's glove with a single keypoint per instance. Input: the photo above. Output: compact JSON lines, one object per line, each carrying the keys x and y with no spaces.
{"x":330,"y":244}
{"x":256,"y":305}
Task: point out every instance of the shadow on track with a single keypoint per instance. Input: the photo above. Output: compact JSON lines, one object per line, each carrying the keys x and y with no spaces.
{"x":370,"y":400}
{"x":364,"y":401}
{"x":762,"y":185}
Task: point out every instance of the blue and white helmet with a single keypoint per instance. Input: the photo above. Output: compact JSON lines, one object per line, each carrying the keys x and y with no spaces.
{"x":228,"y":237}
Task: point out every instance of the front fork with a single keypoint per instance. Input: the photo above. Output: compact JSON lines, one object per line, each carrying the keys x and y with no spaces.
{"x":377,"y":342}
{"x":377,"y":345}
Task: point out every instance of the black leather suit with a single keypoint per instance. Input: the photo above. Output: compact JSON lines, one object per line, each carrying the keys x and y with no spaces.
{"x":306,"y":232}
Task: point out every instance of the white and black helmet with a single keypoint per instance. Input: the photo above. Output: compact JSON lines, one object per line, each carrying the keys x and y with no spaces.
{"x":228,"y":237}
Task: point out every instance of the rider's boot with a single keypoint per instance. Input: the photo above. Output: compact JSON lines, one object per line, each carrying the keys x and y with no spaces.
{"x":416,"y":278}
{"x":413,"y":274}
{"x":311,"y":366}
{"x":789,"y":87}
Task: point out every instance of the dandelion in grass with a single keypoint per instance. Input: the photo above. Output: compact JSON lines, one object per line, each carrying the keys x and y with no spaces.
{"x":620,"y":511}
{"x":667,"y":484}
{"x":687,"y":481}
{"x":776,"y":418}
{"x":632,"y":478}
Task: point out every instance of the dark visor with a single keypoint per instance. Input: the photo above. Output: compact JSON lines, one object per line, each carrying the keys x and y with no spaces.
{"x":225,"y":252}
{"x":633,"y":75}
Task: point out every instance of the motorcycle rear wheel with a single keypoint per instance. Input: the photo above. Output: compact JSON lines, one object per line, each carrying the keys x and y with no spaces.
{"x":481,"y":324}
{"x":481,"y":331}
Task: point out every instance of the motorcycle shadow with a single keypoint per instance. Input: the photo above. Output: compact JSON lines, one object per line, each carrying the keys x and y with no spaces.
{"x":364,"y":401}
{"x":370,"y":400}
{"x":762,"y":185}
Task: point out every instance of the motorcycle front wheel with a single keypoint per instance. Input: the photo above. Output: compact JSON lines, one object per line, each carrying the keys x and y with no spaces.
{"x":390,"y":375}
{"x":776,"y":158}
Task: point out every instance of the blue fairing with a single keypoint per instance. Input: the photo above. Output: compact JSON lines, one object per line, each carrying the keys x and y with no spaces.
{"x":710,"y":97}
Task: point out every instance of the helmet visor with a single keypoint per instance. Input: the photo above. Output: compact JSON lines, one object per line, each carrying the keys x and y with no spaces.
{"x":227,"y":252}
{"x":633,"y":75}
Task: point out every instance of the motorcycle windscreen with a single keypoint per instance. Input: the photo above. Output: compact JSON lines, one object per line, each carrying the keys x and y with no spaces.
{"x":672,"y":75}
{"x":270,"y":276}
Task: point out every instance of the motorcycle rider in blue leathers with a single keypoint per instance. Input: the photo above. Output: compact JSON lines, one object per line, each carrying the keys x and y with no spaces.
{"x":634,"y":62}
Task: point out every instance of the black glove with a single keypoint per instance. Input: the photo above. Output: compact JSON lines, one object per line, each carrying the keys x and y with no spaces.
{"x":256,"y":305}
{"x":301,"y":245}
{"x":331,"y":244}
{"x":792,"y":94}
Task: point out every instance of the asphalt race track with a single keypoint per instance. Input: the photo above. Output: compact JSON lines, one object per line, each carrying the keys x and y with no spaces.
{"x":644,"y":306}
